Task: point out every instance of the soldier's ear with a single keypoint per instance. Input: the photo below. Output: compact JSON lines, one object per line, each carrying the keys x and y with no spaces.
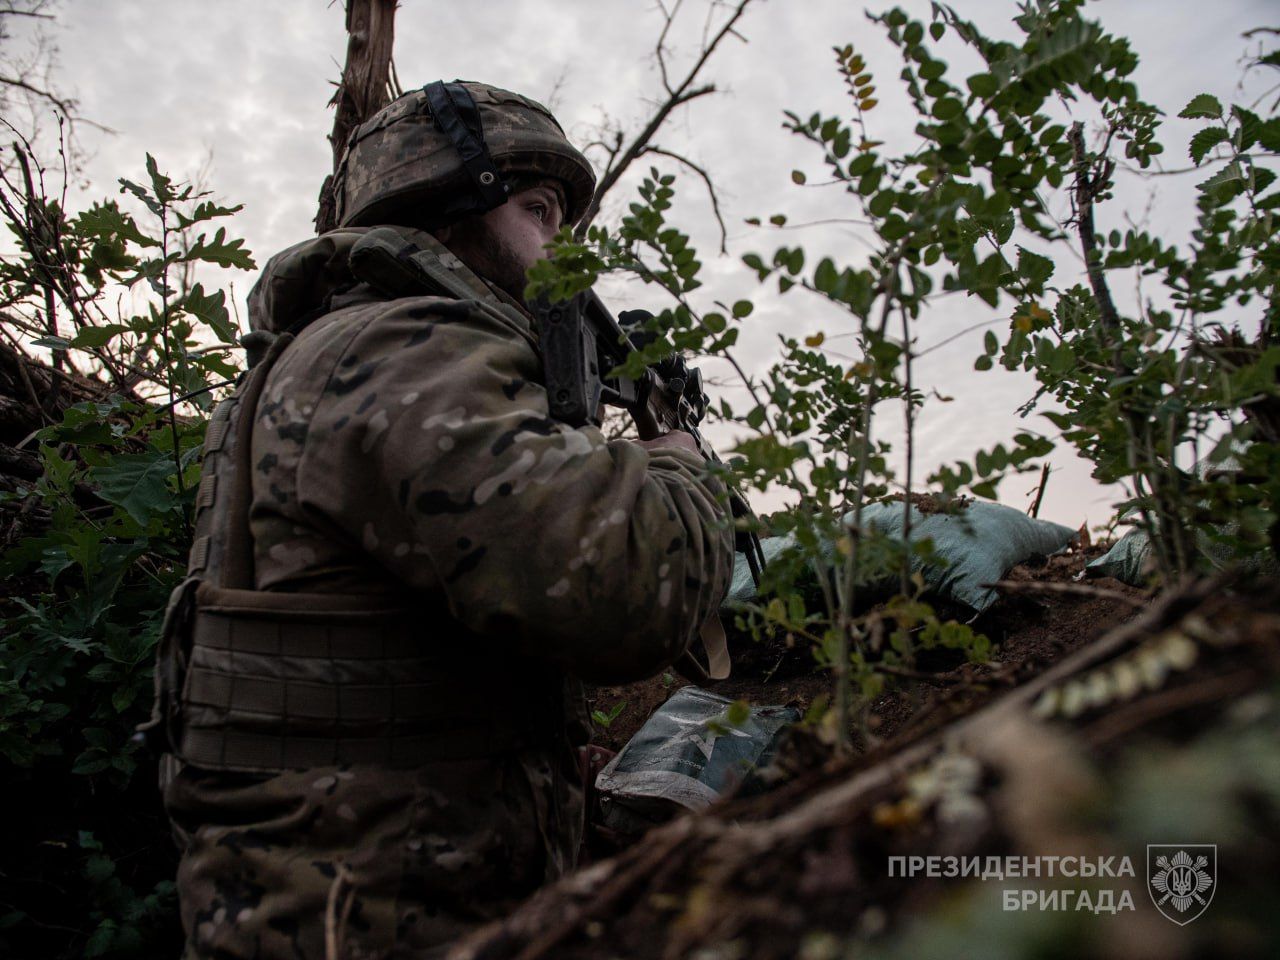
{"x":443,"y":233}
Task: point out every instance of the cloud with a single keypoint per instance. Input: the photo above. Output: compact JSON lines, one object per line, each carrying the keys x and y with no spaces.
{"x":251,"y":81}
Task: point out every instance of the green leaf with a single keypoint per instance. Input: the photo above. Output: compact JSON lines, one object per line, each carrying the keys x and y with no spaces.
{"x":742,"y":308}
{"x":1204,"y":141}
{"x":982,"y":85}
{"x":161,"y":185}
{"x":985,"y":489}
{"x":861,"y":164}
{"x":206,"y":211}
{"x":1250,"y":127}
{"x":98,"y":869}
{"x":211,"y":309}
{"x":138,"y":483}
{"x":1034,"y":268}
{"x":52,"y":342}
{"x":1067,"y":55}
{"x":121,"y":697}
{"x":894,"y":228}
{"x":604,"y":719}
{"x":92,"y":337}
{"x":108,"y":222}
{"x":1230,"y":174}
{"x":1052,"y":134}
{"x":101,"y":940}
{"x":825,"y":276}
{"x":220,"y":251}
{"x":110,"y":256}
{"x":128,"y":186}
{"x":882,"y":203}
{"x":932,"y":69}
{"x":948,"y":108}
{"x":88,"y":765}
{"x":1269,"y":135}
{"x":1202,"y":105}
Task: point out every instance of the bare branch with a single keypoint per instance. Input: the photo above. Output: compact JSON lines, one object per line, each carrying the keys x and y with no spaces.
{"x":1087,"y":186}
{"x":1034,"y":510}
{"x":1069,"y":590}
{"x":552,"y":100}
{"x":957,"y":335}
{"x":711,"y":189}
{"x":64,"y":105}
{"x":682,"y":94}
{"x":822,"y":222}
{"x":661,"y":46}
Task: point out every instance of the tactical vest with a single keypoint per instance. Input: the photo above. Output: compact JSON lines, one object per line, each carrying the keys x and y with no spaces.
{"x":264,"y":681}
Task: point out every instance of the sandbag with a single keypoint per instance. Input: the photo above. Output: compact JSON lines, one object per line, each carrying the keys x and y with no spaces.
{"x":1126,"y":559}
{"x":978,"y":544}
{"x":1129,"y":560}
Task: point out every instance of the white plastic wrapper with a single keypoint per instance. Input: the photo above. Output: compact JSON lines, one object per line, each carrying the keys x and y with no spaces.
{"x":687,"y":755}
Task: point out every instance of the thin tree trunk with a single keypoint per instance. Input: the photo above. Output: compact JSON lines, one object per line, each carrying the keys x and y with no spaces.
{"x":365,"y":87}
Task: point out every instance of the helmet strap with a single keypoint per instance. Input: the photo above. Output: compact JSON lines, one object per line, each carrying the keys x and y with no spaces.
{"x":456,"y":115}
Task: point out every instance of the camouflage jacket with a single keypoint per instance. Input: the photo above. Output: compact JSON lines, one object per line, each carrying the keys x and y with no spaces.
{"x":403,"y":446}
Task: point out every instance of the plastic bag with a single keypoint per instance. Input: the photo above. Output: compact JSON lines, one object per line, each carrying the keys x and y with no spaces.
{"x":687,"y":755}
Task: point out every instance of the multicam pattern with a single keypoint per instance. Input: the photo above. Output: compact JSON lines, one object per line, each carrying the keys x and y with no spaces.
{"x":404,"y":447}
{"x":399,"y":158}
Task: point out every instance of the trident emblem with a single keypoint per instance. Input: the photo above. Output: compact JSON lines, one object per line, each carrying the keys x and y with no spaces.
{"x":1178,"y":883}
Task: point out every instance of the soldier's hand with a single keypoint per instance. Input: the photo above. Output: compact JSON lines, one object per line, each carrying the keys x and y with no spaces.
{"x":676,"y":438}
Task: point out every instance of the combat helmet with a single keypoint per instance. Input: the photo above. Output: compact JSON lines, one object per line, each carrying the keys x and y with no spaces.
{"x":451,"y":149}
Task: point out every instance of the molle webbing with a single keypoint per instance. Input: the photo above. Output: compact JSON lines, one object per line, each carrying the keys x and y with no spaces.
{"x":273,"y":680}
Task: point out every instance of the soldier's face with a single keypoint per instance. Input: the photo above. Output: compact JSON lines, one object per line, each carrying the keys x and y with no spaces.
{"x":503,"y":243}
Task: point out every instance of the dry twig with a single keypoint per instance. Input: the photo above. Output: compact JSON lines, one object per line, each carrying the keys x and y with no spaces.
{"x":620,"y":158}
{"x":1069,"y":589}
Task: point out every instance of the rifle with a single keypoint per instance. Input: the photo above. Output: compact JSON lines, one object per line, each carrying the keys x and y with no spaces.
{"x":581,"y":343}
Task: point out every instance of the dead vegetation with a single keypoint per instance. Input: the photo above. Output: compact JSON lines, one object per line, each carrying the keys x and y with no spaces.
{"x":1067,"y":762}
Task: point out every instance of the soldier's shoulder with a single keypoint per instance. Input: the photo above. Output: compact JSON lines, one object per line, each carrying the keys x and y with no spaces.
{"x":408,"y":323}
{"x":357,"y":348}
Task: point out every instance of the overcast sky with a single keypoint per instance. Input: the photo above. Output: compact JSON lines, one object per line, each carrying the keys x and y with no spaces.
{"x":247,"y":81}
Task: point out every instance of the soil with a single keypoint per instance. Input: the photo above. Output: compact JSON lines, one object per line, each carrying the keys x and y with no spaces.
{"x":1030,"y":627}
{"x":771,"y":875}
{"x":928,"y":503}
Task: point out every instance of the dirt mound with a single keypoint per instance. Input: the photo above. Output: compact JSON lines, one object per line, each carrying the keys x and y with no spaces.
{"x":1163,"y":730}
{"x":1044,"y":614}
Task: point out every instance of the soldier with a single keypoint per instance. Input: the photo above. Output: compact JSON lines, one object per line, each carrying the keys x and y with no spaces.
{"x":369,"y":685}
